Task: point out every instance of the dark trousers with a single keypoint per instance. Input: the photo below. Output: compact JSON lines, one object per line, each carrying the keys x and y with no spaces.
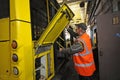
{"x":86,"y":77}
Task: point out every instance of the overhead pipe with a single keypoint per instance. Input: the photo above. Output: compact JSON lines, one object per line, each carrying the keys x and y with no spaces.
{"x":94,"y":10}
{"x":82,"y":11}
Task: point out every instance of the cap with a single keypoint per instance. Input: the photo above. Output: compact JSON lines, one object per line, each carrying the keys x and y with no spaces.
{"x":81,"y":25}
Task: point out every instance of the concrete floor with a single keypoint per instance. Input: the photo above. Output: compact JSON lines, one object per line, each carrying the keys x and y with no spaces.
{"x":67,"y":72}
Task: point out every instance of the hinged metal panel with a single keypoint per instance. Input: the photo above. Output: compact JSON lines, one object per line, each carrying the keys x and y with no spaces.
{"x":56,"y":26}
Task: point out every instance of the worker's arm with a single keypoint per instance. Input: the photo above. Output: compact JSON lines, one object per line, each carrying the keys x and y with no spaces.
{"x":72,"y":33}
{"x":77,"y":47}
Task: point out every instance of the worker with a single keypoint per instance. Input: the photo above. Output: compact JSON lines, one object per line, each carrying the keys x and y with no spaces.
{"x":82,"y":54}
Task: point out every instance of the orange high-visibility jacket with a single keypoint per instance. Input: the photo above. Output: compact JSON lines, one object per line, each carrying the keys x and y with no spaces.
{"x":83,"y":61}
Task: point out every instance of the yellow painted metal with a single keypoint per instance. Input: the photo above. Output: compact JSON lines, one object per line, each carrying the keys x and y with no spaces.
{"x":49,"y":69}
{"x":4,"y":49}
{"x":42,"y":54}
{"x":20,"y":31}
{"x":18,"y":28}
{"x":54,"y":29}
{"x":52,"y":63}
{"x":20,"y":10}
{"x":56,"y":26}
{"x":45,"y":54}
{"x":24,"y":49}
{"x":4,"y":29}
{"x":4,"y":60}
{"x":33,"y":51}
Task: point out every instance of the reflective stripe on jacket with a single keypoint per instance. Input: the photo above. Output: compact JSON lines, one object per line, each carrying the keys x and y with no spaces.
{"x":83,"y":61}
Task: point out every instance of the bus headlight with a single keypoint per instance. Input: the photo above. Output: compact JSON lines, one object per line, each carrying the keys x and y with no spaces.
{"x":15,"y":71}
{"x":15,"y":57}
{"x":14,"y":44}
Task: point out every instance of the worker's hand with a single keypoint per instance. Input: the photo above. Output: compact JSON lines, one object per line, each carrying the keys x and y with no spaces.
{"x":60,"y":49}
{"x":67,"y":27}
{"x":75,"y":40}
{"x":60,"y":54}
